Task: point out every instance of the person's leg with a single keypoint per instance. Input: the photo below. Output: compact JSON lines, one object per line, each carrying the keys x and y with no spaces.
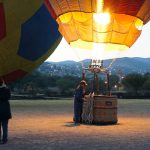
{"x":80,"y":112}
{"x":76,"y":113}
{"x":5,"y":131}
{"x":0,"y":131}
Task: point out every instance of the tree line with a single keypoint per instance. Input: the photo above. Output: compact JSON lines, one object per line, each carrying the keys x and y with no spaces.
{"x":37,"y":83}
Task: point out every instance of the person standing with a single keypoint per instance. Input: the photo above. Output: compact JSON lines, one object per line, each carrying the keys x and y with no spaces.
{"x":78,"y":101}
{"x":5,"y":111}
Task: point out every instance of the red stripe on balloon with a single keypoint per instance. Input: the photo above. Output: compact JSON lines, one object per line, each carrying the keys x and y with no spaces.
{"x":130,"y":7}
{"x":2,"y":22}
{"x":50,"y":9}
{"x":12,"y":76}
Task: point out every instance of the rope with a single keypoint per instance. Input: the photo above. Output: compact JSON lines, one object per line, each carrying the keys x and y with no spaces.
{"x":87,"y":115}
{"x":111,"y":63}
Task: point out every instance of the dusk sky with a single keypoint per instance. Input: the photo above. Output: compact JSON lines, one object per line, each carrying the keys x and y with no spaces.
{"x":141,"y":48}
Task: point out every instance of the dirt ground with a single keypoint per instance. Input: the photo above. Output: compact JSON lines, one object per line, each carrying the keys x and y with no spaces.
{"x":45,"y":125}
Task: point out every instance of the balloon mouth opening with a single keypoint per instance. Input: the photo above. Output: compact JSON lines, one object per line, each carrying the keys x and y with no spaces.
{"x":120,"y":29}
{"x":99,"y":31}
{"x":96,"y":51}
{"x":87,"y":45}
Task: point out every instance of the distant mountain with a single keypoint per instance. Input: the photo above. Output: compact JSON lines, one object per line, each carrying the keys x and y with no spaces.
{"x":122,"y":65}
{"x":129,"y":65}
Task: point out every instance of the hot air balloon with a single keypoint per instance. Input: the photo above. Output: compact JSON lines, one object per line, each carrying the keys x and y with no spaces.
{"x":100,"y":24}
{"x":115,"y":24}
{"x":28,"y":35}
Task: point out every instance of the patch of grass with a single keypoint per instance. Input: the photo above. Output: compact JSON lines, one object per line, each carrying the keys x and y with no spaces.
{"x":51,"y":106}
{"x":126,"y":107}
{"x":30,"y":103}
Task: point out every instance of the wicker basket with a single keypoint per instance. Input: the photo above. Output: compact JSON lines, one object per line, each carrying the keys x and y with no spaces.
{"x":104,"y":109}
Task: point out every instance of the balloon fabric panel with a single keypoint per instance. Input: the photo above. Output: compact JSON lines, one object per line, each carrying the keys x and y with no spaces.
{"x":36,"y":40}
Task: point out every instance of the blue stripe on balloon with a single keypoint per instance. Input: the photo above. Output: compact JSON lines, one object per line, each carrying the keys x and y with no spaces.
{"x":38,"y":35}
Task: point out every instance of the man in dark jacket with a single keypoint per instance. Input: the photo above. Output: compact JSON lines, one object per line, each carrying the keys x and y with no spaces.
{"x":5,"y":112}
{"x":78,"y":101}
